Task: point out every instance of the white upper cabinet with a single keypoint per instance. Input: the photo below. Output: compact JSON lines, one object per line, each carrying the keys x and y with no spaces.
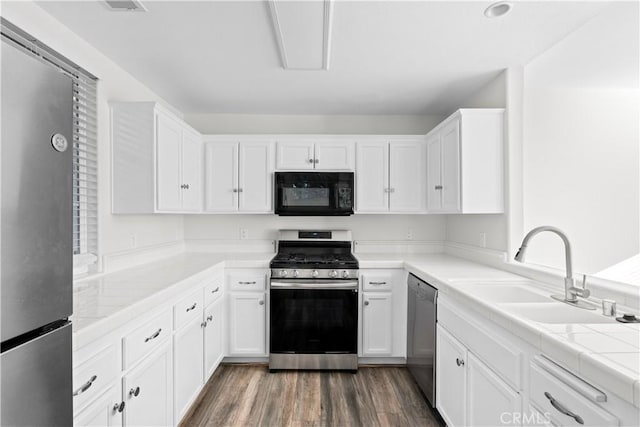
{"x":465,"y":163}
{"x":156,"y":161}
{"x":390,"y":176}
{"x":318,"y":154}
{"x":239,"y":176}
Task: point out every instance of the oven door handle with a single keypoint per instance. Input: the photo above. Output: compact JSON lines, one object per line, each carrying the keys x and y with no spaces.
{"x":332,"y":285}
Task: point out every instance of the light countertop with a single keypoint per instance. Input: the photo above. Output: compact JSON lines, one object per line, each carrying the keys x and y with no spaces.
{"x":607,"y":354}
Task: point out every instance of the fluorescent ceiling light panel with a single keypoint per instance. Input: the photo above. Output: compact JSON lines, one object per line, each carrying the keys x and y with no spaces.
{"x":303,"y":32}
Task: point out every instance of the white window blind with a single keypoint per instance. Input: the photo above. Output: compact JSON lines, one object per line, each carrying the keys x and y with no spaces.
{"x":85,"y":146}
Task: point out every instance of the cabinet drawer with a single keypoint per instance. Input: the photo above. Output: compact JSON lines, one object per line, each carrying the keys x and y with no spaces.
{"x":567,"y":404}
{"x":501,"y":355}
{"x":377,"y":282}
{"x":213,"y":290}
{"x":187,"y":309}
{"x":92,"y":377}
{"x":145,"y":338}
{"x":244,"y":282}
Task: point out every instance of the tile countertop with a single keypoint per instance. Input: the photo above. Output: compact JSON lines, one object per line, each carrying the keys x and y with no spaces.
{"x":607,"y":354}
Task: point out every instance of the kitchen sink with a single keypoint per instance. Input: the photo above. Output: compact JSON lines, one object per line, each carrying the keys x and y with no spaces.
{"x":508,"y":294}
{"x":555,"y":313}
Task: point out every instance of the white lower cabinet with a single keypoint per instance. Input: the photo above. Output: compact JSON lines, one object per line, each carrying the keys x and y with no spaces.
{"x":213,"y":337}
{"x":106,"y":411}
{"x":247,"y":324}
{"x":468,"y":391}
{"x":147,"y":390}
{"x":188,"y":354}
{"x":384,"y":313}
{"x":377,"y":324}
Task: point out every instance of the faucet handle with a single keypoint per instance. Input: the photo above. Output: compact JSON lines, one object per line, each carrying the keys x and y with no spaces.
{"x":583,"y":292}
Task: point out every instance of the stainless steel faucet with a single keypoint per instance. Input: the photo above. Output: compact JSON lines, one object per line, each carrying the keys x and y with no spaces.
{"x":571,"y":293}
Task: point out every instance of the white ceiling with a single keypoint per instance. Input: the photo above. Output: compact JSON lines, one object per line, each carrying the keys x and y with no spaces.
{"x":387,"y":57}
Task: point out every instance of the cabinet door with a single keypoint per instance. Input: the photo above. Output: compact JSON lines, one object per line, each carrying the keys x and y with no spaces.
{"x":450,"y":140}
{"x":406,"y":176}
{"x":221,"y":176}
{"x":256,"y":177}
{"x":213,"y":337}
{"x":489,"y":399}
{"x":247,"y":324}
{"x":191,"y":172}
{"x":297,"y":155}
{"x":335,"y":155}
{"x":188,"y":354}
{"x":168,"y":152}
{"x":451,"y":380}
{"x":103,"y":412}
{"x":377,"y":324}
{"x":372,"y":178}
{"x":152,"y":381}
{"x":434,"y":181}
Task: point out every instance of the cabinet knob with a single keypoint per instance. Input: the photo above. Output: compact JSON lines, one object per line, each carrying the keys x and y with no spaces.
{"x":186,"y":186}
{"x":203,"y":324}
{"x":118,"y":407}
{"x":438,"y":187}
{"x":459,"y":362}
{"x":134,"y":392}
{"x":235,"y":190}
{"x":261,"y":302}
{"x":392,"y":190}
{"x":240,"y":190}
{"x":366,"y":303}
{"x":311,"y":161}
{"x":316,"y":161}
{"x":209,"y":318}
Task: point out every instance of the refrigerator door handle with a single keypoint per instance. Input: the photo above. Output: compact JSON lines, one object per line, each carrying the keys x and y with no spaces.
{"x":85,"y":386}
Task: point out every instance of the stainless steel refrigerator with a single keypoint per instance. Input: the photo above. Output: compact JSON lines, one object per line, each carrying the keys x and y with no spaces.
{"x":36,"y":242}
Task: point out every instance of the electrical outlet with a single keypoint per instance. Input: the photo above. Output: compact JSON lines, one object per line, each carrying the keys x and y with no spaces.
{"x":244,"y":234}
{"x":483,"y":239}
{"x":409,"y":234}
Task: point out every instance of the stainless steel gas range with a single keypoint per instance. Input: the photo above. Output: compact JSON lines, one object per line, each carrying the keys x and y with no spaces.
{"x":314,"y":301}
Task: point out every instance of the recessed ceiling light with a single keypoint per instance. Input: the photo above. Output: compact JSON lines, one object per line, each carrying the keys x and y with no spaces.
{"x":497,"y":9}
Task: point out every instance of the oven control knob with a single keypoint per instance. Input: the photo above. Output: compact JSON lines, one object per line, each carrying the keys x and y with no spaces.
{"x":333,"y":274}
{"x":295,"y":273}
{"x":345,"y":274}
{"x":283,"y":273}
{"x":314,"y":273}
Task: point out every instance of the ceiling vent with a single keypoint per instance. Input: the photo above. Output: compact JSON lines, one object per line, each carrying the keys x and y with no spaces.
{"x":125,"y":5}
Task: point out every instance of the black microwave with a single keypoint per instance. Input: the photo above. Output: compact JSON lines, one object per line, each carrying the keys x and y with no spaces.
{"x":314,"y":193}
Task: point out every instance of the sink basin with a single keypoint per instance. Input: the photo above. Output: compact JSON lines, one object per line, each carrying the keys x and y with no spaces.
{"x":508,"y":294}
{"x":556,"y":313}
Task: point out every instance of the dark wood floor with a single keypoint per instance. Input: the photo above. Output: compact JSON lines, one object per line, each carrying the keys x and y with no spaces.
{"x":248,"y":395}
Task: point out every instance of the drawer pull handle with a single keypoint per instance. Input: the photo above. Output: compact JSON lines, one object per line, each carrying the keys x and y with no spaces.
{"x":203,"y":324}
{"x":118,"y":407}
{"x":377,"y":283}
{"x":154,"y":336}
{"x":209,"y":318}
{"x":366,"y":303}
{"x":193,"y":307}
{"x":438,"y":187}
{"x":215,"y":290}
{"x":85,"y":386}
{"x":459,"y":362}
{"x":134,"y":392}
{"x":247,"y":283}
{"x":562,"y":409}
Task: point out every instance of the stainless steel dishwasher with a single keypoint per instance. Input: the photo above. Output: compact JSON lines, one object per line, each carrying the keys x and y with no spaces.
{"x":421,"y":335}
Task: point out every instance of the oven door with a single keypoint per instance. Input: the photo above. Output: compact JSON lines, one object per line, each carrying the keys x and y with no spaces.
{"x":314,"y":193}
{"x":314,"y":318}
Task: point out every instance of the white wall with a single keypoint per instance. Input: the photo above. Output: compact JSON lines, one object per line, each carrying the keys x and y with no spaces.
{"x":363,"y":227}
{"x":313,"y":124}
{"x":581,"y":143}
{"x":116,"y":232}
{"x":467,"y":228}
